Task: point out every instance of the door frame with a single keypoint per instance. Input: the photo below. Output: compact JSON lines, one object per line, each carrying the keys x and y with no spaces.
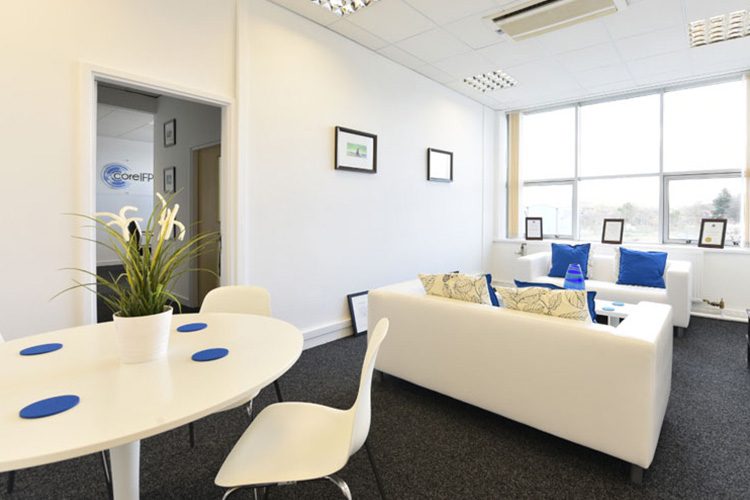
{"x":89,"y":76}
{"x":194,"y":289}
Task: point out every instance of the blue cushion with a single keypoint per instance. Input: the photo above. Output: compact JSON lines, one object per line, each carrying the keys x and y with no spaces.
{"x":591,"y":296}
{"x":642,"y":268}
{"x":564,"y":255}
{"x":493,"y":295}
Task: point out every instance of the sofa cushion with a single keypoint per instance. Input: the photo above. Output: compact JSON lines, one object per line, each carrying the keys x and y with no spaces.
{"x":567,"y":304}
{"x":564,"y":255}
{"x":590,"y":295}
{"x":642,"y":268}
{"x":458,"y":286}
{"x":606,"y":290}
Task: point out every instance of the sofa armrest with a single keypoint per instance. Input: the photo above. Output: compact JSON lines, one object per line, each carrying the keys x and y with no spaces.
{"x":679,"y":282}
{"x":533,"y":265}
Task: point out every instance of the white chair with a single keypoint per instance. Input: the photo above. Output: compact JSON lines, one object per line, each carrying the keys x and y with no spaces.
{"x":241,"y":300}
{"x":293,"y":442}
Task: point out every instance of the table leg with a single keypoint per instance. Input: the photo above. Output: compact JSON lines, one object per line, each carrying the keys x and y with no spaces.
{"x":126,"y":460}
{"x":612,"y":321}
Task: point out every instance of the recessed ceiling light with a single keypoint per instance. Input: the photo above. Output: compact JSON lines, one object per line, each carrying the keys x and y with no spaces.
{"x":487,"y":82}
{"x":343,"y":7}
{"x":719,"y":28}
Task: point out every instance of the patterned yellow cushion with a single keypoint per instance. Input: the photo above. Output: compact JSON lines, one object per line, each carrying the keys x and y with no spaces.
{"x":457,"y":286}
{"x":568,"y":304}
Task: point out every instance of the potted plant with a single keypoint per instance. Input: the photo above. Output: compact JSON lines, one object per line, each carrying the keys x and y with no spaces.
{"x":141,"y":297}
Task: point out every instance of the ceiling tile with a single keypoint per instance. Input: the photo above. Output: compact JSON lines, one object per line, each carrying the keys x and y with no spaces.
{"x":402,"y":57}
{"x":591,"y":57}
{"x":676,"y":63}
{"x":475,"y":31}
{"x":643,"y":17}
{"x":359,"y":35}
{"x":121,"y":121}
{"x":434,"y":45}
{"x":465,"y":65}
{"x":510,"y":53}
{"x":653,"y":44}
{"x":392,"y":20}
{"x":446,"y":11}
{"x":309,"y":10}
{"x":436,"y":74}
{"x":701,"y":9}
{"x":141,"y":134}
{"x":606,"y":75}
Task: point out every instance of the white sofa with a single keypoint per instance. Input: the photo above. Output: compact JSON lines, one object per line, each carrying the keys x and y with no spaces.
{"x":603,"y":280}
{"x":599,"y":386}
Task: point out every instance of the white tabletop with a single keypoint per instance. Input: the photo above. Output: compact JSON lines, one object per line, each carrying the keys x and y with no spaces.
{"x":123,"y":403}
{"x":609,"y":309}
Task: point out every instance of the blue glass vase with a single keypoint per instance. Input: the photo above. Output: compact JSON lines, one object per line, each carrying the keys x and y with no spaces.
{"x":574,"y":278}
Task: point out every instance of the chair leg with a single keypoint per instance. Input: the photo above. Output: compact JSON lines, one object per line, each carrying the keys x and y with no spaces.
{"x":11,"y":482}
{"x":191,"y":431}
{"x":636,"y":474}
{"x":341,"y":484}
{"x":229,"y":492}
{"x":105,"y":466}
{"x":249,"y":409}
{"x":375,"y":471}
{"x":278,"y":390}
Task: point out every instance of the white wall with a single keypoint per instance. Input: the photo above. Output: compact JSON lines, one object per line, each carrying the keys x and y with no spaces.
{"x":138,"y":156}
{"x":42,"y":43}
{"x":315,"y":233}
{"x":197,"y":125}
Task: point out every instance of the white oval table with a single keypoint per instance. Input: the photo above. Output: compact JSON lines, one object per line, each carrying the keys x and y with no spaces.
{"x":120,"y":404}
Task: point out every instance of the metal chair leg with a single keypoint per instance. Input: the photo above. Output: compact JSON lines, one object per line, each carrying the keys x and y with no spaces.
{"x":341,"y":484}
{"x":278,"y":390}
{"x":249,"y":409}
{"x":229,"y":492}
{"x":105,"y":466}
{"x":11,"y":481}
{"x":191,"y":431}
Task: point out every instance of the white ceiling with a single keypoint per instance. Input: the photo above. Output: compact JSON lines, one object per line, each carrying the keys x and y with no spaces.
{"x":124,"y":123}
{"x":644,"y":46}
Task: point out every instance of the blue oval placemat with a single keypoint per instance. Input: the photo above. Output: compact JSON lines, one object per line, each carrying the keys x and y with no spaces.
{"x":50,"y":406}
{"x":619,"y":304}
{"x":210,"y":354}
{"x":191,"y":327}
{"x":608,"y":308}
{"x":40,"y":349}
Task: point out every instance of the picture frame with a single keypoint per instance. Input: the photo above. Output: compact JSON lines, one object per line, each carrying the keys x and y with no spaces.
{"x":534,"y":228}
{"x":358,"y":311}
{"x":355,"y":151}
{"x":713,"y":233}
{"x":439,"y":165}
{"x":170,"y":133}
{"x":612,"y":231}
{"x":170,"y":180}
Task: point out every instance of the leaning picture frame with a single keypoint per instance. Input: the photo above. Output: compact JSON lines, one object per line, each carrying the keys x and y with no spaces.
{"x":713,"y":233}
{"x":612,"y":230}
{"x":355,"y":151}
{"x":534,"y":229}
{"x":358,"y":311}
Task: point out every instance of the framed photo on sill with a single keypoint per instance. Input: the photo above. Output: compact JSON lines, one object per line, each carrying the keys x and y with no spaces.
{"x":170,"y":133}
{"x":534,"y":229}
{"x":356,"y":151}
{"x":713,"y":233}
{"x":439,"y":165}
{"x":170,"y":180}
{"x":612,"y":230}
{"x":358,"y":311}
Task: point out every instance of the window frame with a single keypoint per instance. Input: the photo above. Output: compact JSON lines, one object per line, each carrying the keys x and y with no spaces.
{"x":664,"y":177}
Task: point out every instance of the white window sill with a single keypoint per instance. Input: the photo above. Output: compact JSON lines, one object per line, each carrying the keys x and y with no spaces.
{"x":665,"y":247}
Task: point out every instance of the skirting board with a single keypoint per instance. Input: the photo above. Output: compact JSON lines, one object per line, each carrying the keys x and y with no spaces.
{"x":328,"y":333}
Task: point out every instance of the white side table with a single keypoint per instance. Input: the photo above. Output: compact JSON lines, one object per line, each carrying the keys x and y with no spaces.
{"x":614,"y":311}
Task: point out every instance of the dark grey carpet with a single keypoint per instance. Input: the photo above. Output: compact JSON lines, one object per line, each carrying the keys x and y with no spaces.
{"x":429,"y":446}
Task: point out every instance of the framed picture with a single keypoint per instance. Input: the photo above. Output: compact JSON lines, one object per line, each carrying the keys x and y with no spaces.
{"x":170,"y":180}
{"x":534,"y":229}
{"x":358,"y":311}
{"x":356,"y":151}
{"x":170,"y":133}
{"x":713,"y":232}
{"x":612,"y":230}
{"x":439,"y":165}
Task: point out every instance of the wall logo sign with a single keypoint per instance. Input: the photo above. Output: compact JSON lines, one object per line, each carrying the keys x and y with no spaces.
{"x":118,"y":176}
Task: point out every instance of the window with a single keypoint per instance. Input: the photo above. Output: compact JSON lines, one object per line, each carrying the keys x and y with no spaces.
{"x":554,"y":204}
{"x":661,"y":161}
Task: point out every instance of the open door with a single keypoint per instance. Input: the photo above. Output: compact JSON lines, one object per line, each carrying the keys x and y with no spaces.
{"x":207,"y":177}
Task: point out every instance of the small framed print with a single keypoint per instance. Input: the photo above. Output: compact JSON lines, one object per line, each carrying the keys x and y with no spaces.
{"x":612,"y":230}
{"x":170,"y":133}
{"x":356,"y":151}
{"x":358,"y":311}
{"x":713,"y":232}
{"x":534,"y":230}
{"x":439,"y":165}
{"x":170,"y":181}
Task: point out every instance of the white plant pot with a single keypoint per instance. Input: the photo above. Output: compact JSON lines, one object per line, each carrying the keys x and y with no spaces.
{"x":143,"y":338}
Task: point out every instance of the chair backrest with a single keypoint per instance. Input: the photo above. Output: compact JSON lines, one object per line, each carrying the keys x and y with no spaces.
{"x":238,"y":299}
{"x":361,"y":407}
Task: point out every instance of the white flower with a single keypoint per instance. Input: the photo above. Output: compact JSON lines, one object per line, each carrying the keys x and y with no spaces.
{"x":122,"y":220}
{"x":167,"y":220}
